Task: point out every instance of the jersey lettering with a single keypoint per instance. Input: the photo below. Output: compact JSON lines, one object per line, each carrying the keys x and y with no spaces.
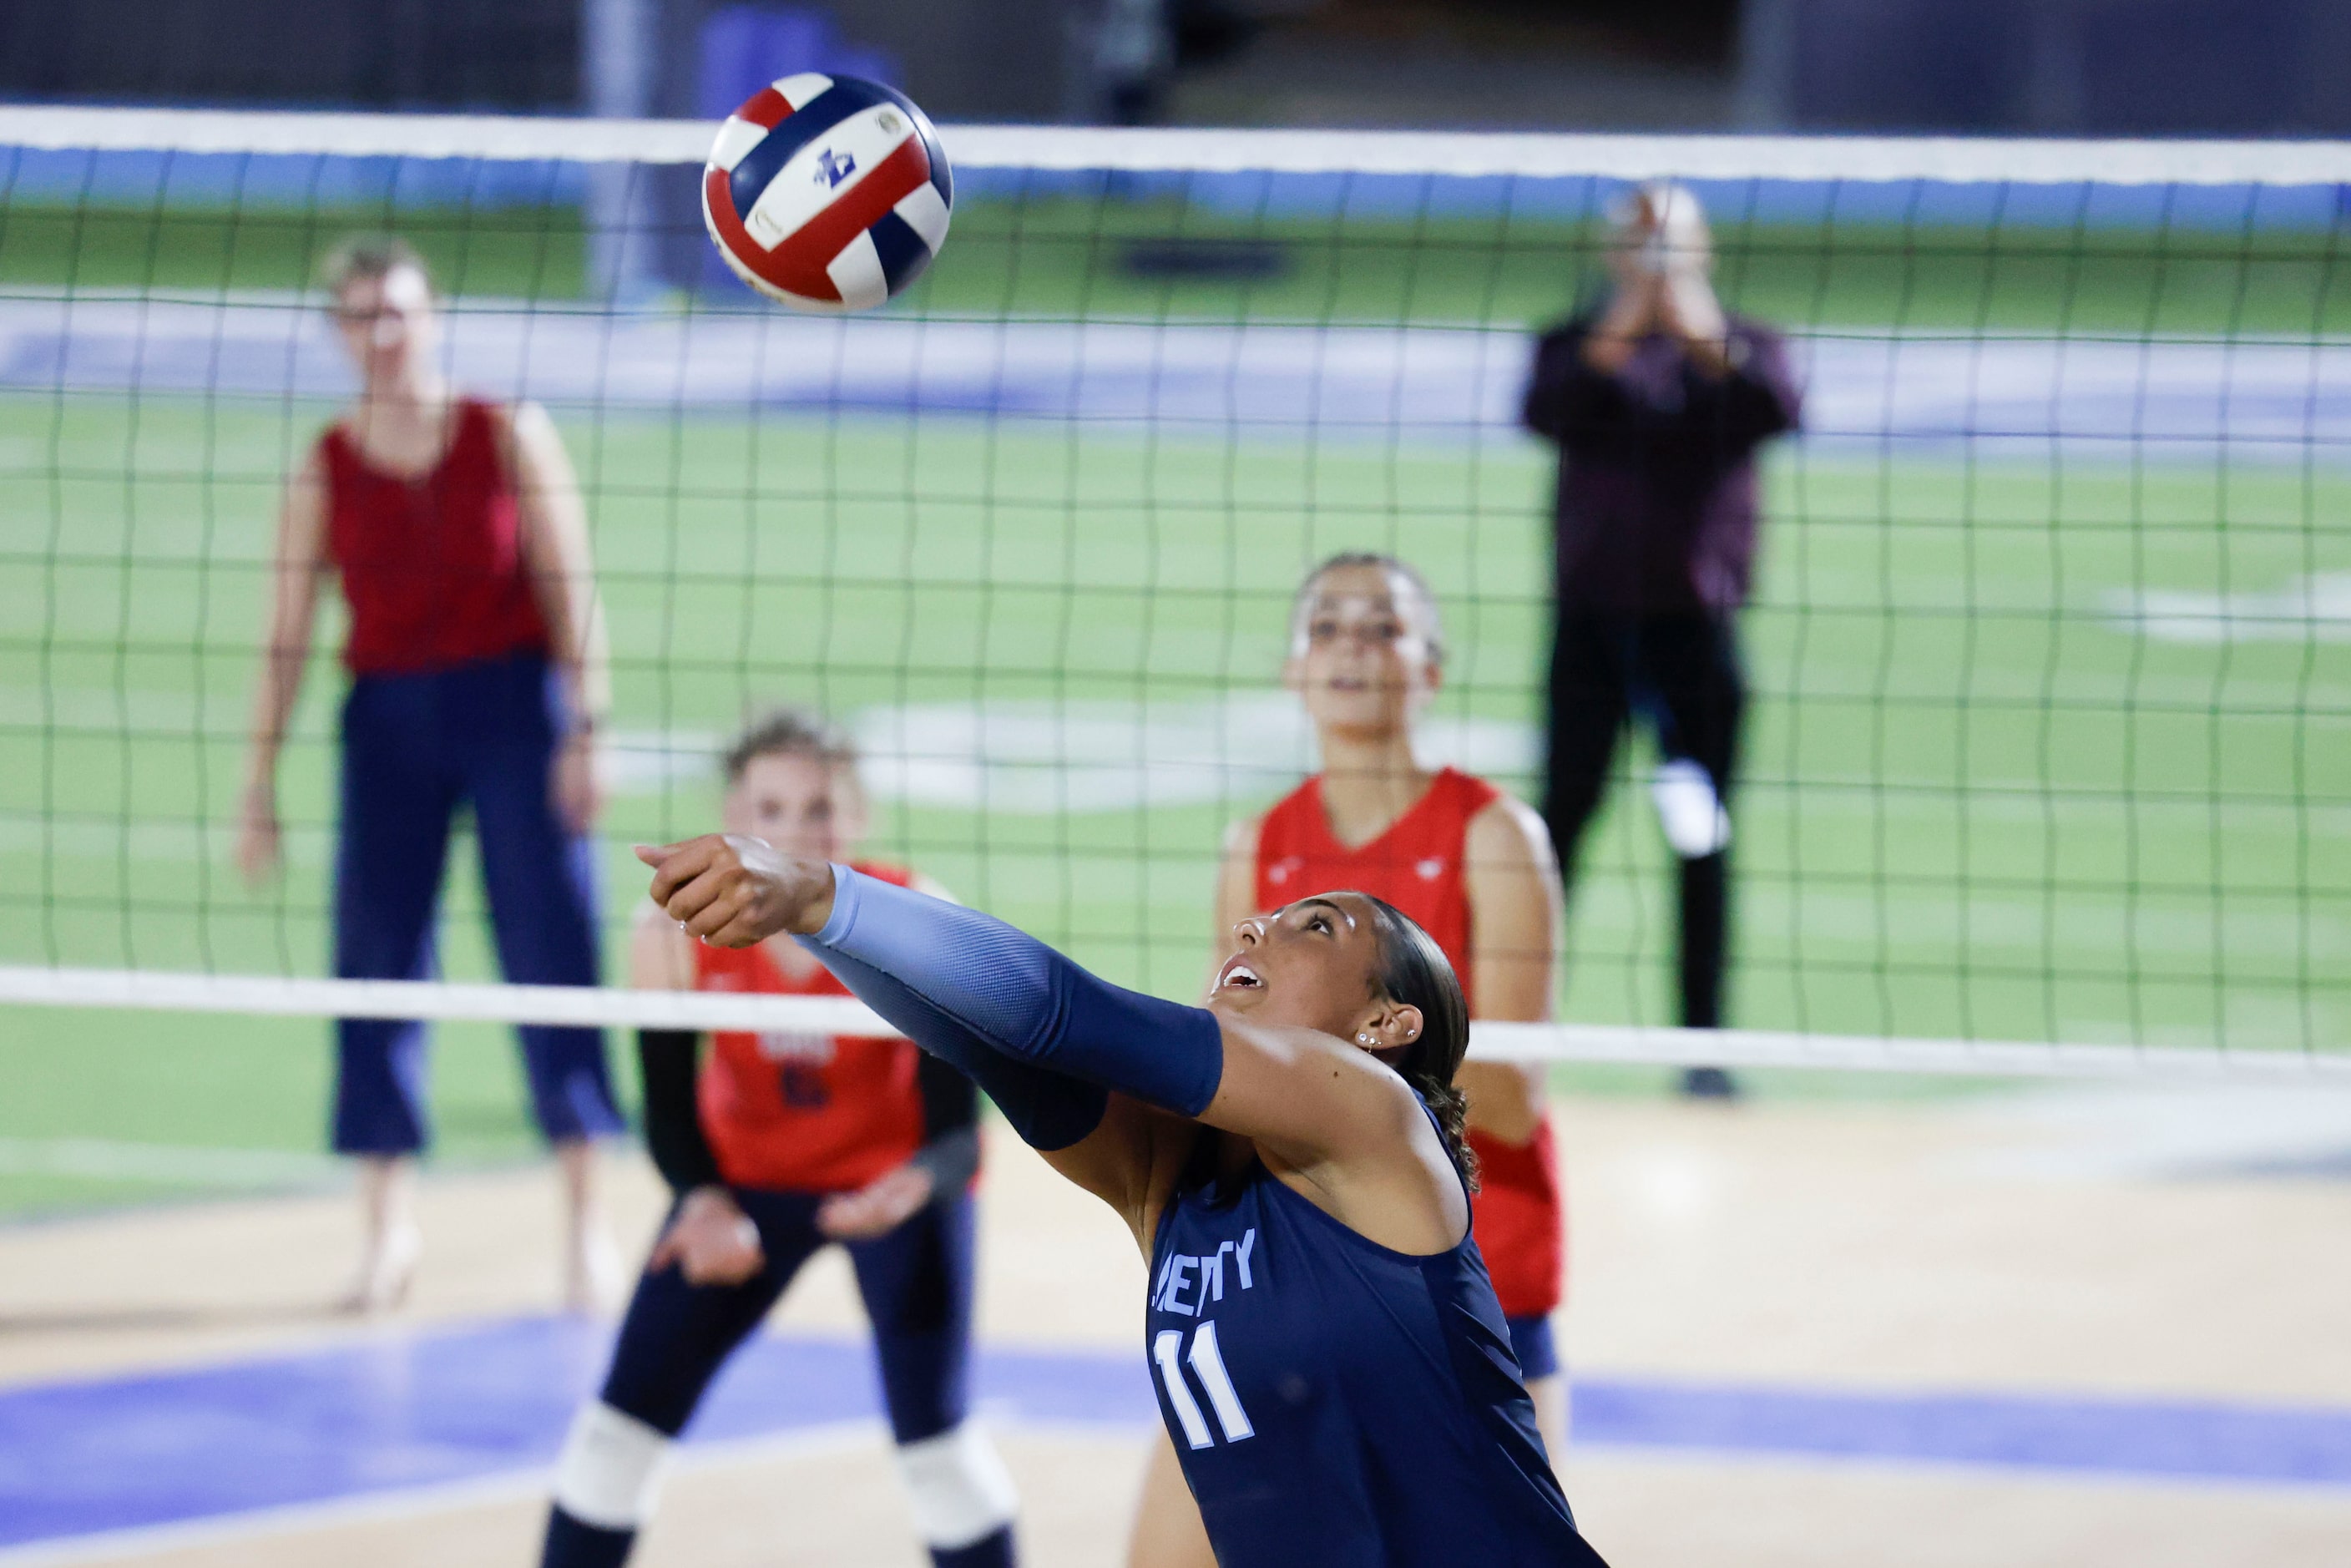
{"x":1207,"y":1363}
{"x":792,"y":1045}
{"x":1202,"y":1277}
{"x":803,"y":1087}
{"x":1179,"y":1393}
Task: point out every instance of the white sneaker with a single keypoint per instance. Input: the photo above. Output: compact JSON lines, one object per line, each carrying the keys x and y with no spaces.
{"x":1688,"y":810}
{"x":385,"y":1274}
{"x":594,"y":1279}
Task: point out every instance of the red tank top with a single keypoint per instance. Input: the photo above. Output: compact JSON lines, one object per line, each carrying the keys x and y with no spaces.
{"x":804,"y":1113}
{"x":1415,"y":866}
{"x":432,"y":567}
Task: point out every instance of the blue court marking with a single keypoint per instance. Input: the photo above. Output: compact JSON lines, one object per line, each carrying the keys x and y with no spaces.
{"x":427,"y":1408}
{"x":2207,"y":1441}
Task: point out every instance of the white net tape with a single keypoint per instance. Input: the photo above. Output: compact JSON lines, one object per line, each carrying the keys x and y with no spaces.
{"x":1473,"y":155}
{"x":1527,"y":1042}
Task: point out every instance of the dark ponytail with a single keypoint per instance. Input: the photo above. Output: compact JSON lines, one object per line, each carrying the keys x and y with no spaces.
{"x":1413,"y":970}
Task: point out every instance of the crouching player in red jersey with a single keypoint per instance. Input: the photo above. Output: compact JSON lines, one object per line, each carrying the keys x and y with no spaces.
{"x":775,"y":1146}
{"x":1474,"y":867}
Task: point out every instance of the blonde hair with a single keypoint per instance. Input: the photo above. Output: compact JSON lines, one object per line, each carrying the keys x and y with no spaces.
{"x":791,"y":732}
{"x":368,"y":258}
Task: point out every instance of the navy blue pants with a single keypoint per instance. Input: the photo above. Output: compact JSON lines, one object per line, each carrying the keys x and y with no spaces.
{"x":414,"y":748}
{"x":917,"y":1281}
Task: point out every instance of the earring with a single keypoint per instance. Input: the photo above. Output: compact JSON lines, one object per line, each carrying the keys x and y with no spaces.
{"x":1363,"y":1039}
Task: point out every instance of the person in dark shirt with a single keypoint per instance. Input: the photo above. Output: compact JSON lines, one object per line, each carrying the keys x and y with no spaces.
{"x":1659,"y":401}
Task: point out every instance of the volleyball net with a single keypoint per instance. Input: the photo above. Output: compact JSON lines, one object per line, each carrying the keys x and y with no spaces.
{"x":2048,"y":761}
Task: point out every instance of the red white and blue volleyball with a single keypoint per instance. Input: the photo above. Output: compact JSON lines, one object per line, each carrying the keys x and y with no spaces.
{"x":826,"y":192}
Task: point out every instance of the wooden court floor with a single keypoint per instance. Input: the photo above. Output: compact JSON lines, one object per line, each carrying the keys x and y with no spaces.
{"x":2097,"y":1253}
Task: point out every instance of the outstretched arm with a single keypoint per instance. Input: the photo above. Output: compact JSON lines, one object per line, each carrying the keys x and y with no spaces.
{"x":964,"y":984}
{"x":944,"y":1165}
{"x":736,"y":890}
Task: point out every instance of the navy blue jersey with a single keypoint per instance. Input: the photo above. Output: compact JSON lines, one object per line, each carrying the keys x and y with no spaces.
{"x":1336,"y":1404}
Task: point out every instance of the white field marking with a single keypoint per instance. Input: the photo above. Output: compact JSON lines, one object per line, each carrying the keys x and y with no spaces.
{"x":179,"y":1164}
{"x":163,"y":715}
{"x":643,"y":757}
{"x":2157,"y":928}
{"x":1039,"y":758}
{"x":385,"y":1507}
{"x":1868,"y":390}
{"x":647,"y":761}
{"x":1488,"y":1042}
{"x":306,"y":845}
{"x":2306,"y":610}
{"x":1475,"y":154}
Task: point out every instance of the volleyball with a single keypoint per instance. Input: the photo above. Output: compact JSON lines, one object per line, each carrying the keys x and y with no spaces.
{"x":826,"y":192}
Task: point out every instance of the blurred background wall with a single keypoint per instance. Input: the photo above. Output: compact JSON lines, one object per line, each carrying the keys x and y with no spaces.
{"x":984,"y":58}
{"x":2057,"y":67}
{"x":2086,"y":67}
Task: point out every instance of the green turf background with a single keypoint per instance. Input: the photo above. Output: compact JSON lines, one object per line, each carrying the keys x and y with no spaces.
{"x":1973,"y":806}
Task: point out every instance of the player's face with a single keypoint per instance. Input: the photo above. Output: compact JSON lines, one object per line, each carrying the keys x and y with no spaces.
{"x":387,"y":323}
{"x":1309,"y":965}
{"x":1361,"y":656}
{"x":803,"y":805}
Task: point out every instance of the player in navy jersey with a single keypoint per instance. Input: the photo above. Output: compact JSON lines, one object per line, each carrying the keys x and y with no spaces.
{"x":1328,"y":1351}
{"x":777,"y":1145}
{"x":1473,"y":868}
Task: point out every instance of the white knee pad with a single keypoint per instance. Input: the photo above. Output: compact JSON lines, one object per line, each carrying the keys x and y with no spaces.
{"x":960,"y":1489}
{"x":1688,"y":810}
{"x":610,"y":1472}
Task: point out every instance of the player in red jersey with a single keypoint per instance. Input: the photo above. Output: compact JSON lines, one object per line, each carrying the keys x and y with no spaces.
{"x":1474,"y":867}
{"x":777,"y":1145}
{"x":453,"y":529}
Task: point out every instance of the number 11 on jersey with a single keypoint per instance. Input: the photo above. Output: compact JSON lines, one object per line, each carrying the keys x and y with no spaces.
{"x":1208,"y":1367}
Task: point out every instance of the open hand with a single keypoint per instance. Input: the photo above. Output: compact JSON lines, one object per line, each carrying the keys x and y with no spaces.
{"x":1688,"y":309}
{"x":886,"y":1202}
{"x":732,"y":891}
{"x":711,"y":1241}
